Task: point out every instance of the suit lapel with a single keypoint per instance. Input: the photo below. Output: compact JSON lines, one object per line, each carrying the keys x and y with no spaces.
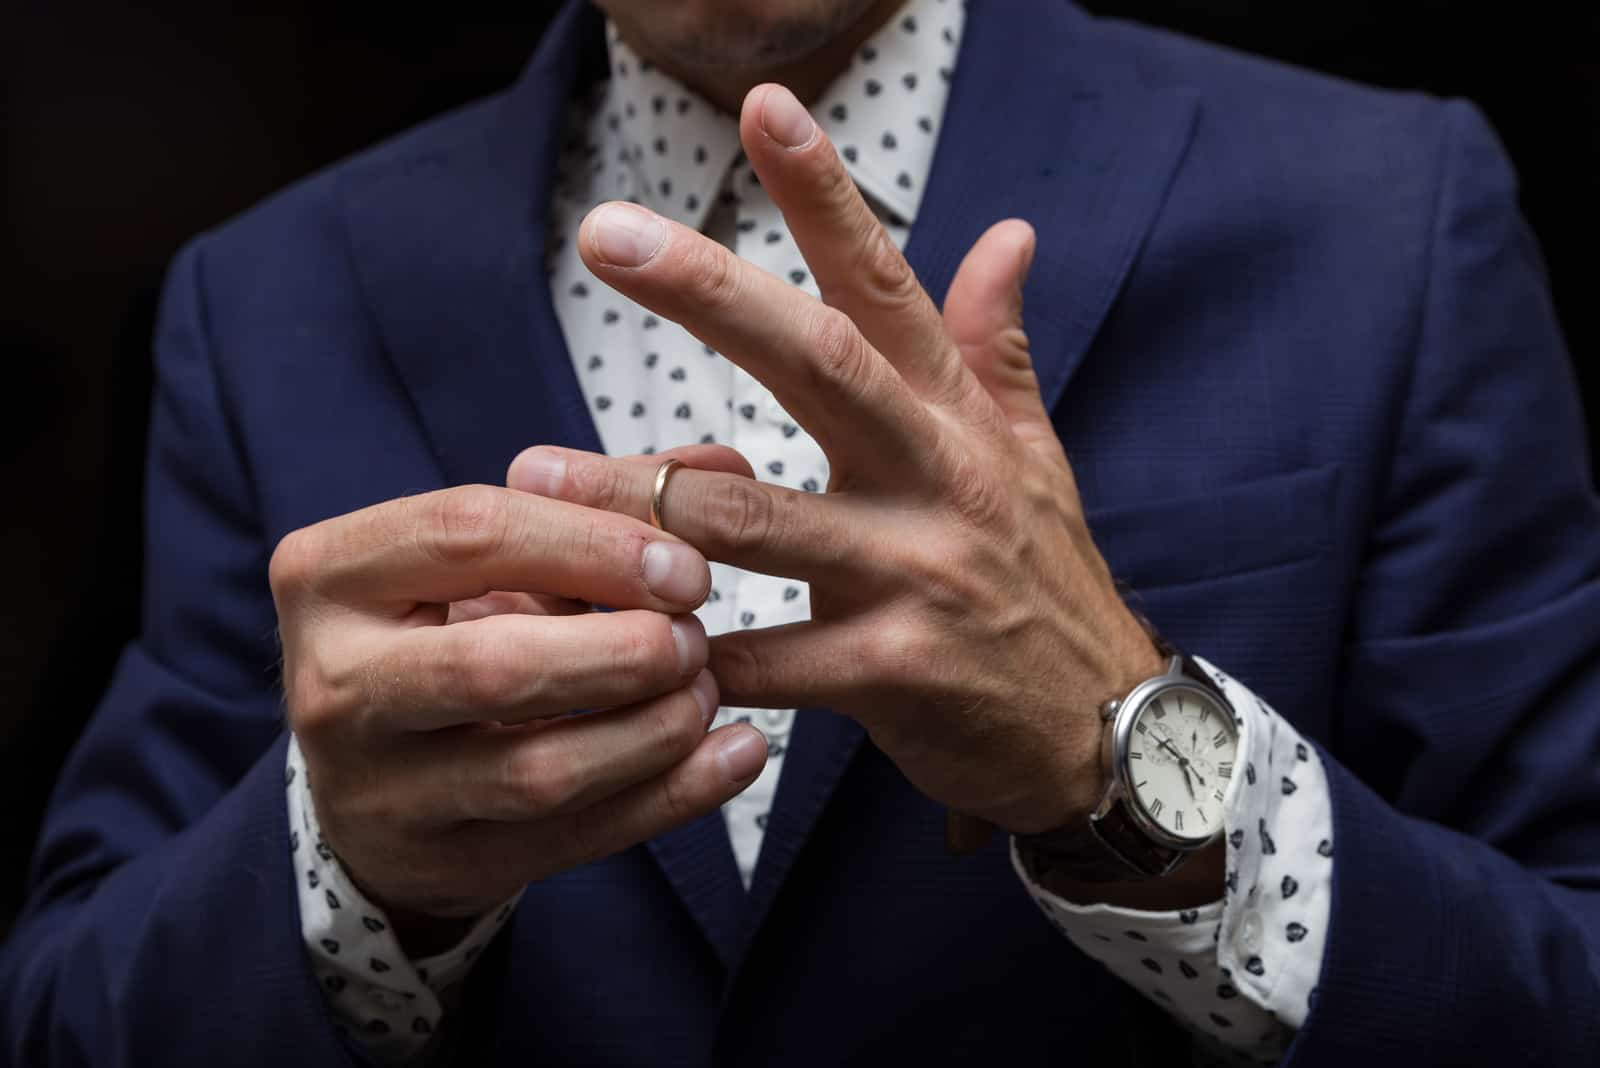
{"x":1037,"y":127}
{"x":1042,"y":127}
{"x":448,"y":244}
{"x":448,"y":241}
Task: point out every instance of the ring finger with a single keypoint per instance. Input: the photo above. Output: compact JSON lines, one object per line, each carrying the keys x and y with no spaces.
{"x":729,"y":518}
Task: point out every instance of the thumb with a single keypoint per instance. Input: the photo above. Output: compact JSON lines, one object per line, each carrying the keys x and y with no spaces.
{"x":983,"y":313}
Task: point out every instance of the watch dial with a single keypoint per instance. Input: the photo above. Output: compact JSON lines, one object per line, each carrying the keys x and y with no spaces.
{"x":1180,"y":761}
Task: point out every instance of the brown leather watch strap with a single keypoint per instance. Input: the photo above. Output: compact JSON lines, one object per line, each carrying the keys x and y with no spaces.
{"x":1104,"y":848}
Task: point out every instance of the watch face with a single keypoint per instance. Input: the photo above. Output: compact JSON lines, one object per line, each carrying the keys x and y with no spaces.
{"x":1181,"y":753}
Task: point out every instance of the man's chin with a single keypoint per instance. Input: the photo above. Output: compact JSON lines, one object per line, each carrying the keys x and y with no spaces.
{"x":714,"y":37}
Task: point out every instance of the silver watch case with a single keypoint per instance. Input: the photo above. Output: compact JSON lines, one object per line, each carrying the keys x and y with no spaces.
{"x":1122,"y":715}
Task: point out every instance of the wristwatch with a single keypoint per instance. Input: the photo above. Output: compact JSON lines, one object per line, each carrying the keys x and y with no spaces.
{"x":1169,"y":748}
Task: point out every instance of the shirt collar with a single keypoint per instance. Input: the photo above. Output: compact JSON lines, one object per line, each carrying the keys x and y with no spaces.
{"x":676,"y":143}
{"x":882,"y":112}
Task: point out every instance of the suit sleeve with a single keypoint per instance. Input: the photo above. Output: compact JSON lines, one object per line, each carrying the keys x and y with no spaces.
{"x":1464,"y":769}
{"x":160,"y":926}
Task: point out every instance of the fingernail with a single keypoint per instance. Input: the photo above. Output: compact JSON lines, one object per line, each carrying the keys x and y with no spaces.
{"x":690,"y":638}
{"x":538,"y":471}
{"x":786,"y":120}
{"x":626,"y":235}
{"x":704,"y":688}
{"x":674,"y":572}
{"x":742,"y":754}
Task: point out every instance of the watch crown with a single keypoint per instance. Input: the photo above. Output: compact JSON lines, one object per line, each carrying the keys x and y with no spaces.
{"x":1108,"y":711}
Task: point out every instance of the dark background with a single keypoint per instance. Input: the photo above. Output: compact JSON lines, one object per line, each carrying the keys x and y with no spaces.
{"x":128,"y":128}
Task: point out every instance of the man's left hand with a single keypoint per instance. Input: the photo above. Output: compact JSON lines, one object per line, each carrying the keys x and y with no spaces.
{"x":960,"y":610}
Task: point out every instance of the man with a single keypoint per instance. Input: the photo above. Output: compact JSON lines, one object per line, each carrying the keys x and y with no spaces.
{"x":1250,"y":581}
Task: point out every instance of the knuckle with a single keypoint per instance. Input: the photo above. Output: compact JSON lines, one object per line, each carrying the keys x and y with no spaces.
{"x":318,"y":694}
{"x":677,"y":801}
{"x":839,"y":354}
{"x":462,"y":668}
{"x":894,"y":651}
{"x":741,"y":668}
{"x":973,"y":497}
{"x":1012,"y":353}
{"x":741,"y":515}
{"x":544,"y":778}
{"x":487,"y":674}
{"x":308,"y":713}
{"x":588,"y":540}
{"x":834,"y":187}
{"x":447,"y":669}
{"x":972,"y":489}
{"x":295,"y":563}
{"x":883,"y":272}
{"x":952,"y":570}
{"x":465,"y":523}
{"x":639,"y":653}
{"x":676,"y":724}
{"x":601,"y":485}
{"x":718,"y":276}
{"x":1045,"y":496}
{"x":584,"y":836}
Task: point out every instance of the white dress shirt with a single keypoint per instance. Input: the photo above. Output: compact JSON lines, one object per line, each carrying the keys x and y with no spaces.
{"x":1238,"y":973}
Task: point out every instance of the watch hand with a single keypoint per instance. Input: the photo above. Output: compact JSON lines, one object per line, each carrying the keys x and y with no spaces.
{"x":1183,"y":766}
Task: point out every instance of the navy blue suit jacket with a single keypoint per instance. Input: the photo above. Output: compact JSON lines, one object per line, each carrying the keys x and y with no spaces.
{"x":1297,"y":341}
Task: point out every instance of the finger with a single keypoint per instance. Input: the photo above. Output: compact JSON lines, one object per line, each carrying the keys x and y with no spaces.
{"x":541,"y":470}
{"x":507,"y":602}
{"x":812,"y":358}
{"x":721,"y":766}
{"x":700,"y":457}
{"x":983,"y":313}
{"x":541,"y":770}
{"x":857,"y":267}
{"x":730,"y":518}
{"x":514,"y":668}
{"x":800,"y":665}
{"x":461,"y":543}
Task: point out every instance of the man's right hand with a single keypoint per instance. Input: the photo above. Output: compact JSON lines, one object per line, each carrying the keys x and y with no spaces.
{"x":433,"y":647}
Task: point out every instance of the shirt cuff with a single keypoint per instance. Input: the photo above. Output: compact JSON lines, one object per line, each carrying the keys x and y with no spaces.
{"x":1240,"y":972}
{"x":388,"y":1004}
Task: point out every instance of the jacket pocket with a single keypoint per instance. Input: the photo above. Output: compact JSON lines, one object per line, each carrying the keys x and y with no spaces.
{"x":1237,"y":528}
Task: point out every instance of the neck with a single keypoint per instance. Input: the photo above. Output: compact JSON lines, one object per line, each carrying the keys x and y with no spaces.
{"x":806,"y":77}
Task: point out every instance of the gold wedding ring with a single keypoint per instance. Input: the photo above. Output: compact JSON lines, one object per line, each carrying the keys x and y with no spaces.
{"x":660,"y":488}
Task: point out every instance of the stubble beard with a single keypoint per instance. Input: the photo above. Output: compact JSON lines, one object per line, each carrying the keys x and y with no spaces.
{"x":742,"y":40}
